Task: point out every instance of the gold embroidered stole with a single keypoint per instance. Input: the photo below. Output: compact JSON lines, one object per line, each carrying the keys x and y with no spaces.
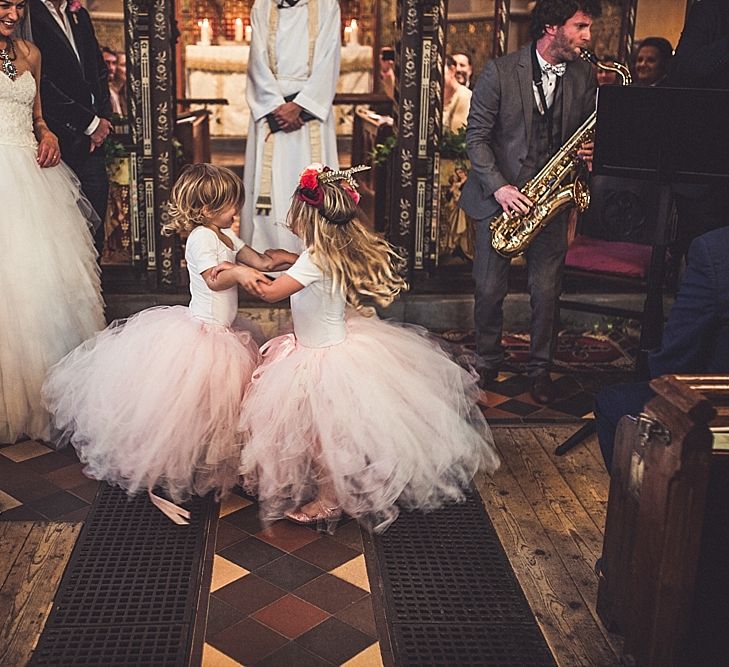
{"x":263,"y":203}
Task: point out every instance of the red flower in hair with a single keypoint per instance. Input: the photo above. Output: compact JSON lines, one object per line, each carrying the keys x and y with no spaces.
{"x":309,"y":179}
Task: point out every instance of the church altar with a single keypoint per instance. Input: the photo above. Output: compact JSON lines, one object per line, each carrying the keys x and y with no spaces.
{"x":219,"y":71}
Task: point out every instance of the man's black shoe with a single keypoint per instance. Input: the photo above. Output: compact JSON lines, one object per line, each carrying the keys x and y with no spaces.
{"x":541,"y":388}
{"x":486,"y":376}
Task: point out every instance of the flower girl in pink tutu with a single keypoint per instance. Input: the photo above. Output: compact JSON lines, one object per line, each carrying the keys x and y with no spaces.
{"x":350,"y":413}
{"x":154,"y":400}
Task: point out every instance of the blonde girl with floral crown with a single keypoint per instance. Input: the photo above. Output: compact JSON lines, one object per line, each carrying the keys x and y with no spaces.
{"x":350,"y":413}
{"x":154,"y":401}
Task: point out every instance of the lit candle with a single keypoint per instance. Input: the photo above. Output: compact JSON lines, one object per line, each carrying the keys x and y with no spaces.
{"x":205,"y":35}
{"x":249,"y":33}
{"x":354,"y":39}
{"x":239,"y":30}
{"x":347,"y":34}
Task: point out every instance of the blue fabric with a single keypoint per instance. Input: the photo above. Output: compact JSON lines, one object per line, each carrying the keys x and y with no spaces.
{"x":695,"y":340}
{"x":696,"y":337}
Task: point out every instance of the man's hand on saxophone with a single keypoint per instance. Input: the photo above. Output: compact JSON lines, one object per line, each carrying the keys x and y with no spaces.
{"x":512,"y":201}
{"x":585,"y":153}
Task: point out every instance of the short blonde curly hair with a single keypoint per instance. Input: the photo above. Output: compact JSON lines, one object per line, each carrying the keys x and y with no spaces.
{"x":201,"y":191}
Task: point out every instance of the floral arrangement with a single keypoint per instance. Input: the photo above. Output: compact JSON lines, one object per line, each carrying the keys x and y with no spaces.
{"x":315,"y":174}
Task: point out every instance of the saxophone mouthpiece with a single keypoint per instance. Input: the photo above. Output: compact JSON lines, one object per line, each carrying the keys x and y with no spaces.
{"x":589,"y":56}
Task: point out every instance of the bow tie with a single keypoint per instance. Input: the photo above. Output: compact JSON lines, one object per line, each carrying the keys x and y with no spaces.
{"x":558,"y":69}
{"x":283,"y":4}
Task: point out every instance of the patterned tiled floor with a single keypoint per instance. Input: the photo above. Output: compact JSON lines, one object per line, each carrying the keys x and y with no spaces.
{"x":288,"y":595}
{"x":508,"y":400}
{"x":38,"y":483}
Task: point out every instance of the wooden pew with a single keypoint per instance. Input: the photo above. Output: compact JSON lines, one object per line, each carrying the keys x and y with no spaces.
{"x":664,"y":581}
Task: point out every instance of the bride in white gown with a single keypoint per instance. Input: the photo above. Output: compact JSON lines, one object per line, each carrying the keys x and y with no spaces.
{"x":51,"y":299}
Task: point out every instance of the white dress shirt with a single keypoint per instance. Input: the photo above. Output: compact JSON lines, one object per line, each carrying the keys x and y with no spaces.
{"x":549,"y":85}
{"x":63,"y":22}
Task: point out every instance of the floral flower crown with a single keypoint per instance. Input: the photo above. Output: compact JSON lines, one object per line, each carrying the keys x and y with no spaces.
{"x":311,"y":179}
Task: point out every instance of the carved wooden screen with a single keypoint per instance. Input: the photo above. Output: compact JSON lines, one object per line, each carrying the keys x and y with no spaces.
{"x":151,"y":84}
{"x":420,"y":52}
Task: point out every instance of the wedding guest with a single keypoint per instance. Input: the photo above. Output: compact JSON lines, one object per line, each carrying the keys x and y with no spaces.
{"x":464,"y":69}
{"x":456,"y":98}
{"x":652,"y":61}
{"x":110,"y":58}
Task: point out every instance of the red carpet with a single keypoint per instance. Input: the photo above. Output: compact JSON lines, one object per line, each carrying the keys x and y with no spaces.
{"x":576,"y":351}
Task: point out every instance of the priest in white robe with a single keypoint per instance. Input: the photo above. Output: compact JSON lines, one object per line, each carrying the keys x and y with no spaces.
{"x":295,"y":54}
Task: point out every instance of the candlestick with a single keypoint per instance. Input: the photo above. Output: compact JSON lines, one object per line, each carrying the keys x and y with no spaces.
{"x":249,"y":33}
{"x":239,"y":30}
{"x":347,"y":34}
{"x":354,"y":38}
{"x":205,"y":32}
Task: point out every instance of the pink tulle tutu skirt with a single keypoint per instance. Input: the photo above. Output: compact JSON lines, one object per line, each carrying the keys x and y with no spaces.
{"x":154,"y":401}
{"x":385,"y":417}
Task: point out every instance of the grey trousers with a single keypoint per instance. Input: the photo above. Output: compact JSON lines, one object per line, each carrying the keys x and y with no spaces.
{"x":545,"y":260}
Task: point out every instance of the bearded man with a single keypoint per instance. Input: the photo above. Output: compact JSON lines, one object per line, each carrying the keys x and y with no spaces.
{"x":524,"y":107}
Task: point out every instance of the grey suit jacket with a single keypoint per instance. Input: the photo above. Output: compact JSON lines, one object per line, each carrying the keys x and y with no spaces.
{"x":500,"y":123}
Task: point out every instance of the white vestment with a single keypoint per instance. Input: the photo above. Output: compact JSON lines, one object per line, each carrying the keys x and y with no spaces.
{"x":292,"y":151}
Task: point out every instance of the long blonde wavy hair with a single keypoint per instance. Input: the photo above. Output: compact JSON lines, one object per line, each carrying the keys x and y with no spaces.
{"x":202,"y":190}
{"x":359,"y":262}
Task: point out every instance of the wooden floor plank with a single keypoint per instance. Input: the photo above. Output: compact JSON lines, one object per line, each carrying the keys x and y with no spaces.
{"x":12,"y":538}
{"x":587,"y":478}
{"x":29,"y":588}
{"x":540,"y":500}
{"x":568,"y":626}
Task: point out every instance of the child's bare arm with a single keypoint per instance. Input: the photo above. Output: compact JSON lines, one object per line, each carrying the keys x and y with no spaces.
{"x":248,"y":278}
{"x":282,"y":259}
{"x":281,"y":288}
{"x":250,"y":257}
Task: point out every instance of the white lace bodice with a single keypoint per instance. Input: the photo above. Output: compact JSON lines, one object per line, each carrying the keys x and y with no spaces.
{"x":16,"y":110}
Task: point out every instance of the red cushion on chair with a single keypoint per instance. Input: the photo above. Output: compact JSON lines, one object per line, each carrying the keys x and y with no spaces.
{"x":617,"y":257}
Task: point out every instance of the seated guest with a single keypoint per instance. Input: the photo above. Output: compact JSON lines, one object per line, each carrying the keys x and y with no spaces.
{"x":464,"y":69}
{"x":695,"y":340}
{"x":119,"y":85}
{"x":652,"y":61}
{"x":456,"y":99}
{"x":110,"y":58}
{"x":606,"y":77}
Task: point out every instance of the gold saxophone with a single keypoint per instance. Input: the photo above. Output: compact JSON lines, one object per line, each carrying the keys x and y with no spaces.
{"x":556,"y":185}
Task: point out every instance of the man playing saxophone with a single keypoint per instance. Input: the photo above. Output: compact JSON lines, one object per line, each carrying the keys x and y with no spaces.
{"x":524,"y":106}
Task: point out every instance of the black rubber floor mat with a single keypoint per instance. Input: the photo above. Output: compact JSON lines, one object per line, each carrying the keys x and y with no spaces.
{"x":449,"y":594}
{"x":130,"y":591}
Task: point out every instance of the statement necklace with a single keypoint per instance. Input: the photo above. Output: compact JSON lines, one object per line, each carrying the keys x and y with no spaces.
{"x":7,"y":55}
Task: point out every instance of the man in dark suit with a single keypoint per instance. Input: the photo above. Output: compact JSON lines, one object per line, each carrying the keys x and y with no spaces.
{"x":524,"y":107}
{"x":695,"y":340}
{"x":74,"y":93}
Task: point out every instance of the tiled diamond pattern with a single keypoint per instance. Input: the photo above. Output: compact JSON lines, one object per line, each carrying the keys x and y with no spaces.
{"x":287,"y":594}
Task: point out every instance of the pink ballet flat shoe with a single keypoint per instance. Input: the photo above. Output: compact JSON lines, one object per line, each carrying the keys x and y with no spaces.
{"x":326,"y":516}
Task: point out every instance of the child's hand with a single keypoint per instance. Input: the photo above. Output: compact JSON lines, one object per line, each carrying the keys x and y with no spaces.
{"x":220,"y":267}
{"x":280,"y":257}
{"x":251,"y":279}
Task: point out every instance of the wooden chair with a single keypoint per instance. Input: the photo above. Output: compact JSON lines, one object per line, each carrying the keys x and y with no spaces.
{"x":192,"y":129}
{"x":622,"y":242}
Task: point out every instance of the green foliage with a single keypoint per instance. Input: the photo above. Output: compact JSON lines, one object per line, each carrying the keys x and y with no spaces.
{"x":113,"y":149}
{"x":453,"y":144}
{"x":381,"y":152}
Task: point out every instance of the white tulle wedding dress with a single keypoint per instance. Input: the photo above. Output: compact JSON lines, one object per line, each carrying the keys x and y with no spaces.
{"x":49,"y":277}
